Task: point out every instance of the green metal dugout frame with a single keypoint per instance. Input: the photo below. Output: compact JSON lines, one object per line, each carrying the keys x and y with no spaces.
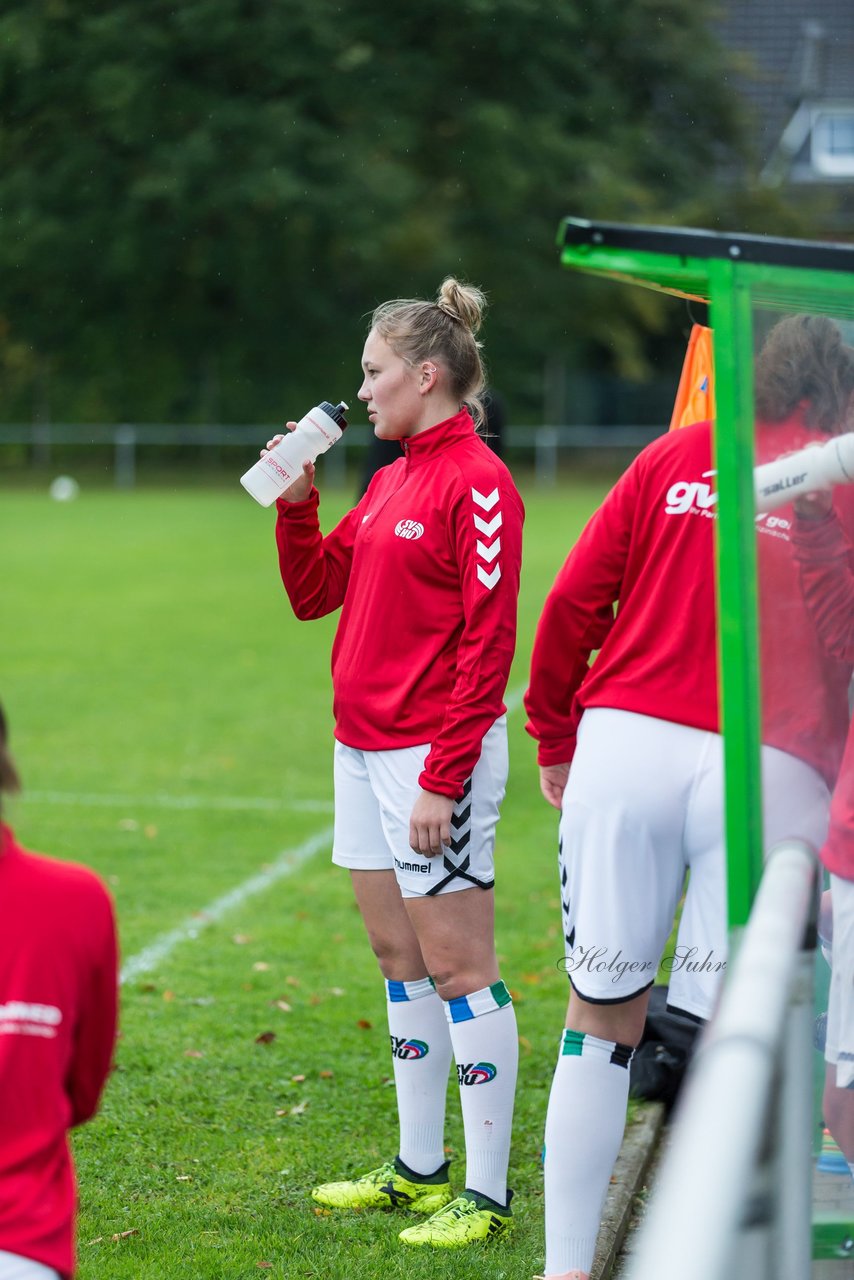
{"x":733,"y":274}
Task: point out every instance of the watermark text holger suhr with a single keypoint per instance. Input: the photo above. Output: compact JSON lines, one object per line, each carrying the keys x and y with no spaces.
{"x":597,"y":960}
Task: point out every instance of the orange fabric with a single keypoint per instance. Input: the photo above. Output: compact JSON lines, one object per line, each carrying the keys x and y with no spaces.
{"x":695,"y":397}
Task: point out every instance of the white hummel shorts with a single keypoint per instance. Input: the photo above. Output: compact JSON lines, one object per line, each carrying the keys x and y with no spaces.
{"x":643,"y":805}
{"x":374,"y":795}
{"x":839,"y":1045}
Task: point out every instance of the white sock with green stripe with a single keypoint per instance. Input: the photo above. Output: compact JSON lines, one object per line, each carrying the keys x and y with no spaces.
{"x":486,"y":1050}
{"x":421,"y":1054}
{"x":584,"y":1130}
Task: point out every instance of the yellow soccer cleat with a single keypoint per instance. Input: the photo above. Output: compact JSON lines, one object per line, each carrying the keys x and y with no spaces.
{"x":469,"y":1219}
{"x":392,"y":1186}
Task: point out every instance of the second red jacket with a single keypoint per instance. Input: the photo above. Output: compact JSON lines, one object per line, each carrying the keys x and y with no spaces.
{"x":650,"y":547}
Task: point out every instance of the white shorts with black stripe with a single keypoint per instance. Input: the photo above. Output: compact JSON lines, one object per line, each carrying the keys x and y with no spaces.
{"x":375,"y":792}
{"x":644,"y":805}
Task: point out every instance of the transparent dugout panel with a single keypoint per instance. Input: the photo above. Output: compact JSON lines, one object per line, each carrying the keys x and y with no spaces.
{"x":785,"y":594}
{"x":803,"y":426}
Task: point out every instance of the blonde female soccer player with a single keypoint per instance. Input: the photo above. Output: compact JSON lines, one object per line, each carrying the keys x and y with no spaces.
{"x":425,"y":571}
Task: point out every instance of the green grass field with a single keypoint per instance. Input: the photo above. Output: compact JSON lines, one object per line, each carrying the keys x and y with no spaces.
{"x":172,"y":723}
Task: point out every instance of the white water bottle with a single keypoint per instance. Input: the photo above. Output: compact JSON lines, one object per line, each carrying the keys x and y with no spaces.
{"x":818,"y":466}
{"x":318,"y":431}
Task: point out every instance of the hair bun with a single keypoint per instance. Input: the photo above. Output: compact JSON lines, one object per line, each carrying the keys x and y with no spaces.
{"x":462,"y":302}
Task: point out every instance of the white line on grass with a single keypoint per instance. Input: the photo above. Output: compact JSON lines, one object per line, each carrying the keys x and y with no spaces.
{"x":98,"y":800}
{"x":286,"y":864}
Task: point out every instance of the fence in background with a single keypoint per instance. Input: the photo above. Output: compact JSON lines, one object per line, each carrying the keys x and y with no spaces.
{"x":544,"y":444}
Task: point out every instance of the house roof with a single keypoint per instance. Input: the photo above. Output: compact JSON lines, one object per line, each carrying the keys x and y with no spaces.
{"x":788,"y":52}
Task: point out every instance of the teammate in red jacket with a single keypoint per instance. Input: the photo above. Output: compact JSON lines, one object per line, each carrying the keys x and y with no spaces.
{"x":425,"y":571}
{"x":57,"y":1031}
{"x":643,"y":800}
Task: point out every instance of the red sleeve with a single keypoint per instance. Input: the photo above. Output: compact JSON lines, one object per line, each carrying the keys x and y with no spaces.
{"x":576,"y":618}
{"x":315,"y":570}
{"x":485,"y":528}
{"x":826,"y":569}
{"x":95,"y":1030}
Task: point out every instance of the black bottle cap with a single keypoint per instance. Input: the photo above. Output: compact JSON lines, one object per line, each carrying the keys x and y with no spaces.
{"x":335,"y":411}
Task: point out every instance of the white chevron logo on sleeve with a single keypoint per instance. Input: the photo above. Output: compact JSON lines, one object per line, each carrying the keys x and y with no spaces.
{"x":488,"y":527}
{"x":489,"y":579}
{"x":487,"y":502}
{"x":488,"y":553}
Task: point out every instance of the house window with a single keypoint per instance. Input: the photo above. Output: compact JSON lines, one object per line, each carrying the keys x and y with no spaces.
{"x":832,"y":149}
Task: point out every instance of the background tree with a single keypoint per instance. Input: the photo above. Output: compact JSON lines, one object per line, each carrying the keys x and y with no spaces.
{"x":199,"y":202}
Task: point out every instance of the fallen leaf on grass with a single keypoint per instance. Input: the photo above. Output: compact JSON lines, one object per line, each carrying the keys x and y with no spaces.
{"x":292,"y":982}
{"x":297,"y":1079}
{"x":168,"y":995}
{"x":240,"y":939}
{"x":260,"y":966}
{"x":151,"y":831}
{"x":193,"y":1053}
{"x":315,"y":1000}
{"x":263,"y":1264}
{"x":266,"y":1037}
{"x":364,"y":1025}
{"x":123,"y":1235}
{"x":323,"y":1213}
{"x":281,"y":1004}
{"x":524,"y":1044}
{"x":327,"y":1075}
{"x":183,"y":1177}
{"x":337,"y":991}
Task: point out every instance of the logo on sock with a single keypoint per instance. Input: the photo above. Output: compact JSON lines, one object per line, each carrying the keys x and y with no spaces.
{"x":409,"y":1050}
{"x":476,"y":1072}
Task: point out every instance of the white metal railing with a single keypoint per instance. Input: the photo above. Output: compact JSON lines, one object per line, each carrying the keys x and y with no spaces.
{"x":733,"y":1196}
{"x":545,"y":443}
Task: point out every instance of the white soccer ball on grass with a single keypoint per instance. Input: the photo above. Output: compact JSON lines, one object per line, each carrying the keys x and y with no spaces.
{"x":64,"y":489}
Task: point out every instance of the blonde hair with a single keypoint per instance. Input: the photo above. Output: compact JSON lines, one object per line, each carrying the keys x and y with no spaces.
{"x":442,"y":330}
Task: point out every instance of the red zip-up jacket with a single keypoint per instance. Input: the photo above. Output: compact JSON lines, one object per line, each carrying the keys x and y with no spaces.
{"x":58,"y":984}
{"x":650,"y":547}
{"x":825,"y":557}
{"x":425,"y":571}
